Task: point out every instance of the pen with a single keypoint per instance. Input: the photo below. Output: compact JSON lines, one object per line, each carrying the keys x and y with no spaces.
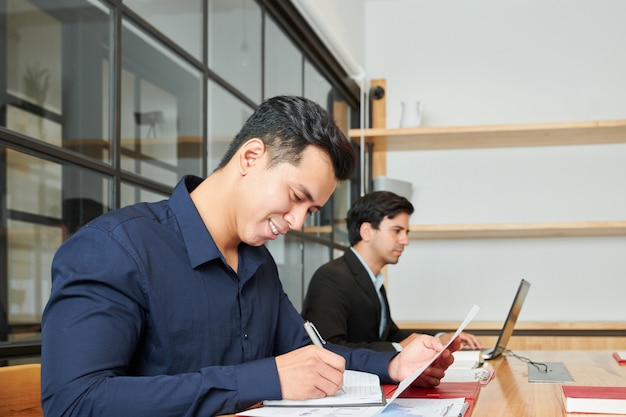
{"x":316,"y":338}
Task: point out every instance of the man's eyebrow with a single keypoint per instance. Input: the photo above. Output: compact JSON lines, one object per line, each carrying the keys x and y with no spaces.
{"x":308,"y":195}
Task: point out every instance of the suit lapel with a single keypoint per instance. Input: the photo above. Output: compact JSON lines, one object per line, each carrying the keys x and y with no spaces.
{"x":387,"y":328}
{"x":362,"y":277}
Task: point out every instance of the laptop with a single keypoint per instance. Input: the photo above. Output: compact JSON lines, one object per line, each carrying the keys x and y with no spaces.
{"x":509,"y":323}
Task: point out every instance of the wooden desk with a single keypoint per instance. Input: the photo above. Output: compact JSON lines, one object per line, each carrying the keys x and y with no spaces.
{"x":510,"y":393}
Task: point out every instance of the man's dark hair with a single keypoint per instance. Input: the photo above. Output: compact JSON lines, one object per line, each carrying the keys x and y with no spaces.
{"x":372,"y":208}
{"x":287,"y":125}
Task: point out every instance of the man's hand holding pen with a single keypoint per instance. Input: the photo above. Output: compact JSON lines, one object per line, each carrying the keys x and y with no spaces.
{"x":310,"y":372}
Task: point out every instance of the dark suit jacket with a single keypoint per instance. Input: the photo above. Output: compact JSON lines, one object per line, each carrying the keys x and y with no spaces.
{"x":343,"y":304}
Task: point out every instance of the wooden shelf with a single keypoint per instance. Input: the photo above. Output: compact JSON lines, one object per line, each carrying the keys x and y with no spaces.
{"x":328,"y":229}
{"x":517,"y":230}
{"x":494,"y":136}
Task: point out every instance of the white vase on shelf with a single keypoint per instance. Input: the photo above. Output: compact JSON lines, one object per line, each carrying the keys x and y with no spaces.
{"x":411,"y":114}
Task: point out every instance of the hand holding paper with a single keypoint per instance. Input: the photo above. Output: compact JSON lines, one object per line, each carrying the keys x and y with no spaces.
{"x":422,"y":349}
{"x":432,"y":375}
{"x":438,"y":362}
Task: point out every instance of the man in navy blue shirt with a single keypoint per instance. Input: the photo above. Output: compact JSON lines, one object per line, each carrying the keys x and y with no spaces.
{"x":175,"y":308}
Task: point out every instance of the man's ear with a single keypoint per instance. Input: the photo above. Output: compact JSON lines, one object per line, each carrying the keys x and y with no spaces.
{"x":249,"y":154}
{"x":366,"y":231}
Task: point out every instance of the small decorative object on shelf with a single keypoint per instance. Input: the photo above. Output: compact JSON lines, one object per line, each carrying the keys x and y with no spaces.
{"x":411,"y":114}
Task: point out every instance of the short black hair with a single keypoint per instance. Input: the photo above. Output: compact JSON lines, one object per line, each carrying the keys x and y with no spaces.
{"x":372,"y":208}
{"x":287,"y":125}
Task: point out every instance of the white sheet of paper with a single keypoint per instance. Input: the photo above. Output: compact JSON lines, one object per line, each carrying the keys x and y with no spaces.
{"x":426,"y":407}
{"x":466,"y":375}
{"x":311,"y":411}
{"x":409,"y":380}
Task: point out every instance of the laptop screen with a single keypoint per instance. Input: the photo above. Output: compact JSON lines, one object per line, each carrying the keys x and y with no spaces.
{"x":511,"y":318}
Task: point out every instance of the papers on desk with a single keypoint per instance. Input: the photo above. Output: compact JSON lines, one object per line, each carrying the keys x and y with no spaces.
{"x":360,"y":388}
{"x":409,"y":380}
{"x":311,"y":411}
{"x":467,"y":359}
{"x":468,"y":391}
{"x":482,"y":375}
{"x":424,"y":407}
{"x":364,"y":389}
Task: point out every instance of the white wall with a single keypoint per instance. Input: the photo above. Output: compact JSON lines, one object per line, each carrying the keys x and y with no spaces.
{"x":492,"y":62}
{"x":345,"y":20}
{"x":499,"y":61}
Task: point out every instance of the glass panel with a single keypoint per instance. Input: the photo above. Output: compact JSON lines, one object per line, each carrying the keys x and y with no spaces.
{"x":30,"y":252}
{"x":57,"y":62}
{"x":314,"y":256}
{"x":46,"y":203}
{"x":235,"y":44}
{"x":30,"y":124}
{"x":131,"y":194}
{"x":33,"y":185}
{"x":341,"y":205}
{"x":161,"y":116}
{"x":283,"y":63}
{"x":316,"y":87}
{"x":287,"y":252}
{"x":346,"y":191}
{"x":227,"y":114}
{"x":297,"y":259}
{"x":180,"y":21}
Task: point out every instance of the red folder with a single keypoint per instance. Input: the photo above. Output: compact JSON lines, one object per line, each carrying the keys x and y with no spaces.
{"x":469,"y":390}
{"x":619,"y":358}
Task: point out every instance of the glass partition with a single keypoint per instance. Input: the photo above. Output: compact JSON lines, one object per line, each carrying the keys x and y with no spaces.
{"x":180,"y":21}
{"x":161,"y":119}
{"x":107,"y":103}
{"x":57,"y":64}
{"x":131,"y":194}
{"x":48,"y":203}
{"x":227,"y":114}
{"x":316,"y":87}
{"x":235,"y":44}
{"x":283,"y":63}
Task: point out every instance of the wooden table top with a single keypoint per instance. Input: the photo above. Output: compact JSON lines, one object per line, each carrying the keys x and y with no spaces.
{"x":510,"y":393}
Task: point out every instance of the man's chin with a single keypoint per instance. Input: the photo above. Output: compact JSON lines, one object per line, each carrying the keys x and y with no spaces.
{"x":261,"y":240}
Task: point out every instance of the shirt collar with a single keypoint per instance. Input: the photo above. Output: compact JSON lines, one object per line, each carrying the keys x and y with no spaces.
{"x":201,"y":247}
{"x":378,"y":279}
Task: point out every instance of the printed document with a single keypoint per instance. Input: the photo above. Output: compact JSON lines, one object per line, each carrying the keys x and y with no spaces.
{"x":409,"y":380}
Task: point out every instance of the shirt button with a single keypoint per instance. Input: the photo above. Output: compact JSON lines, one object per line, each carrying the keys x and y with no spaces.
{"x":245,"y":336}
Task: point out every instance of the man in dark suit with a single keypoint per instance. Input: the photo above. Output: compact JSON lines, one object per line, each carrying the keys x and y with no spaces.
{"x":346,"y":299}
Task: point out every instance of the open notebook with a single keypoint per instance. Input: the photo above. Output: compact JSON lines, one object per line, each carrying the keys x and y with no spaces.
{"x":509,"y":323}
{"x":359,"y":389}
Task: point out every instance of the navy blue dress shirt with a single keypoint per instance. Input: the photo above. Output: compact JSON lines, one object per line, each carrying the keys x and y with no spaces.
{"x":145,"y":318}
